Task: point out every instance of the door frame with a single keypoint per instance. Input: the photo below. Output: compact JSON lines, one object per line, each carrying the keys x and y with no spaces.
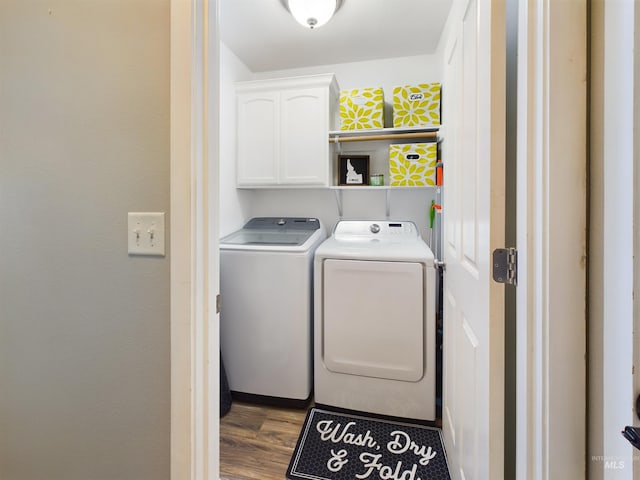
{"x":194,"y":120}
{"x":551,"y":240}
{"x":614,"y":238}
{"x":542,"y":445}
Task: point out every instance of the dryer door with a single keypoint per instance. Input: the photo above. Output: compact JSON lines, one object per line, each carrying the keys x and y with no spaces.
{"x":373,"y":319}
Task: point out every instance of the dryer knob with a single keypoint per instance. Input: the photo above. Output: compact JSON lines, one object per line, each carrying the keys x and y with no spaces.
{"x":375,"y":228}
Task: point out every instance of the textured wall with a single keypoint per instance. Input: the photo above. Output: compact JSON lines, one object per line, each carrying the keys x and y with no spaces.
{"x":84,"y":329}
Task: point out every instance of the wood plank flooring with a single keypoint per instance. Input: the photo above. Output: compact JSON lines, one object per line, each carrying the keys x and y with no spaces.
{"x":256,"y":441}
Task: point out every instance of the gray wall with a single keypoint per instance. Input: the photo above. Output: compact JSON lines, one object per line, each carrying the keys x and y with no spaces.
{"x":84,"y":329}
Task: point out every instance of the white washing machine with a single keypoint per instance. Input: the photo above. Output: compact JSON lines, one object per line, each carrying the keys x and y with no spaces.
{"x":374,"y":333}
{"x":266,"y":317}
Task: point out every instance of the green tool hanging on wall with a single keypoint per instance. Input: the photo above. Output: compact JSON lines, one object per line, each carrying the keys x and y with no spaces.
{"x":432,"y":217}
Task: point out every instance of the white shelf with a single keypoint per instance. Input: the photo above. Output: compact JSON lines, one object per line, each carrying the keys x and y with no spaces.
{"x":385,"y":131}
{"x":382,"y":187}
{"x":339,"y":136}
{"x":381,"y":134}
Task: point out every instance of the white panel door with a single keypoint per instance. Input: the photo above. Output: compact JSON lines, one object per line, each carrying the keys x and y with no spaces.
{"x":473,"y":152}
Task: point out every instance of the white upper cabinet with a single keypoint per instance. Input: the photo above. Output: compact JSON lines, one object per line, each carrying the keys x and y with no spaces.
{"x":282,"y":131}
{"x":258,"y":134}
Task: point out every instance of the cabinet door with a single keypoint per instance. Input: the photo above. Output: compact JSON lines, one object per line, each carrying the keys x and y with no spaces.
{"x":304,"y":147}
{"x":257,"y":136}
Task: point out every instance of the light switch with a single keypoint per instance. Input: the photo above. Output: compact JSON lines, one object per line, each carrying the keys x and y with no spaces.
{"x":146,"y":233}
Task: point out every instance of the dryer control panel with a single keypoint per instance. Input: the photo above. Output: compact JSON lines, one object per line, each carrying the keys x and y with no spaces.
{"x":375,"y":229}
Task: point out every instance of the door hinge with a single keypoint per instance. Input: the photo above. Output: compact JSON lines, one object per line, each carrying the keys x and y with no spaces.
{"x":505,"y":265}
{"x":218,"y":301}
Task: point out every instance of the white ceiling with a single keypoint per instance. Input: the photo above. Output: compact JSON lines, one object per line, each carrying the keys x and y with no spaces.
{"x":265,"y":36}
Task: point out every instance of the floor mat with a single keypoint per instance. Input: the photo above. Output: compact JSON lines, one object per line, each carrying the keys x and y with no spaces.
{"x":338,"y":446}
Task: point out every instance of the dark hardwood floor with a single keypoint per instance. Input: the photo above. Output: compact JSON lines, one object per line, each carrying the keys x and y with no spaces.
{"x":256,"y":441}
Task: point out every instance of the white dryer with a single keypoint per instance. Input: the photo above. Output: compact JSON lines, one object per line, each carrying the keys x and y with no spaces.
{"x":374,"y":322}
{"x":266,"y":286}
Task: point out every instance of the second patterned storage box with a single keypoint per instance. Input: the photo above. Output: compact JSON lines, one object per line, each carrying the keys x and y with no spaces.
{"x":413,"y":164}
{"x":416,"y":105}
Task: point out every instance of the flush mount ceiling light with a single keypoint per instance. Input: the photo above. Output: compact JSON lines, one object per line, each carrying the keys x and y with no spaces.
{"x":312,"y":13}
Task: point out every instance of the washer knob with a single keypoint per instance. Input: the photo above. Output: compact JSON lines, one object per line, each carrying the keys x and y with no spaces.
{"x":375,"y":228}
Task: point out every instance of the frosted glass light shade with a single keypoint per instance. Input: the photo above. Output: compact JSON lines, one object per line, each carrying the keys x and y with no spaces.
{"x":312,"y":13}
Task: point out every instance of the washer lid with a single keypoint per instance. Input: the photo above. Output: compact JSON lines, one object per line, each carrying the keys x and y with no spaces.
{"x":273,"y":231}
{"x":283,"y":224}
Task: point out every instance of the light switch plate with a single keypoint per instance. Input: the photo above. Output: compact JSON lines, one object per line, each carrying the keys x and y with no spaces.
{"x":146,"y":233}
